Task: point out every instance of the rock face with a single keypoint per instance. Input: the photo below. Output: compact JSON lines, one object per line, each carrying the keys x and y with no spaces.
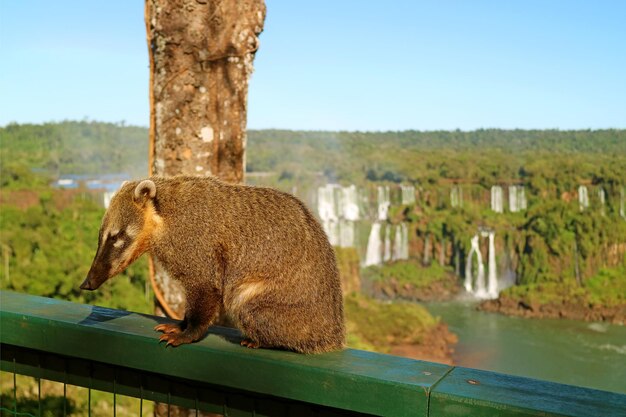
{"x":568,"y":309}
{"x":441,"y":290}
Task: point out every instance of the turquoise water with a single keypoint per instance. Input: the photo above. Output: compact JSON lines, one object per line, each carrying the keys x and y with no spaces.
{"x":571,"y":352}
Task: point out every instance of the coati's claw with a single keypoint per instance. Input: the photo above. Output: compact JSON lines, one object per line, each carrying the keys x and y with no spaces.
{"x":168,"y":328}
{"x":175,"y":339}
{"x":251,"y":344}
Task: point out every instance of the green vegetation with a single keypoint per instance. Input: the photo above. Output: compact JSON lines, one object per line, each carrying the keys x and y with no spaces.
{"x":375,"y":325}
{"x":409,"y":272}
{"x":550,"y":160}
{"x":47,"y":250}
{"x":607,"y":289}
{"x":53,"y":403}
{"x":551,"y":242}
{"x":85,"y":147}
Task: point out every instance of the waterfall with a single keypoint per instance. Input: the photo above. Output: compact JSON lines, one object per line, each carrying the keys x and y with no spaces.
{"x":492,"y":279}
{"x":513,"y":207}
{"x":383,"y":202}
{"x":405,"y":241}
{"x":583,"y":197}
{"x":602,"y":198}
{"x":496,"y":198}
{"x":517,"y":198}
{"x":346,"y":233}
{"x":408,"y":194}
{"x":456,"y":196}
{"x":338,"y":209}
{"x":373,"y":255}
{"x":521,"y":198}
{"x":401,"y":243}
{"x":479,"y":289}
{"x":397,"y":244}
{"x":387,"y":253}
{"x":326,"y":203}
{"x":622,"y":206}
{"x":349,"y":203}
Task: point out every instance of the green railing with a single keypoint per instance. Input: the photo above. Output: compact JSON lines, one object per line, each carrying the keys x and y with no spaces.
{"x":118,"y":352}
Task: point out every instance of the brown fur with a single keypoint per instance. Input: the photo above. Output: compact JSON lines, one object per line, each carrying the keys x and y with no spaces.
{"x":257,"y":253}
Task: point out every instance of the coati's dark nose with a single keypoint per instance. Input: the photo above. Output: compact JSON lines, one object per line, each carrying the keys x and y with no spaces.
{"x":86,"y":285}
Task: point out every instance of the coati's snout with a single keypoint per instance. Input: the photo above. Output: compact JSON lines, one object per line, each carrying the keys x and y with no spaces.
{"x":125,"y":233}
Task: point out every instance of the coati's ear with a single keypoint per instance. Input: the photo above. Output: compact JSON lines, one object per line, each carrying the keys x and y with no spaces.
{"x":145,"y":190}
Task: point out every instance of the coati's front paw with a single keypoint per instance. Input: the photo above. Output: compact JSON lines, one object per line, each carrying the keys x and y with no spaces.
{"x":176,"y":339}
{"x":168,"y":328}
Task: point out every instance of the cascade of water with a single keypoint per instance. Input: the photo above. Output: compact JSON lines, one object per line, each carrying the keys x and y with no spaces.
{"x":521,"y":197}
{"x":622,"y":205}
{"x":349,"y":203}
{"x":397,"y":244}
{"x":602,"y":198}
{"x":404,"y":253}
{"x":387,"y":253}
{"x":383,"y":202}
{"x":513,"y":203}
{"x":583,"y":197}
{"x":338,"y":208}
{"x":401,"y":243}
{"x":326,"y":204}
{"x":408,"y":194}
{"x":456,"y":196}
{"x":373,"y":255}
{"x":496,"y":198}
{"x":479,"y":289}
{"x":468,"y":284}
{"x":346,"y":233}
{"x":492,"y":279}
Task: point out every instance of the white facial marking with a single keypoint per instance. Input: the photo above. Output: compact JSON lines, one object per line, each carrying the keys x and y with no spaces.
{"x":118,"y":243}
{"x":132,"y":231}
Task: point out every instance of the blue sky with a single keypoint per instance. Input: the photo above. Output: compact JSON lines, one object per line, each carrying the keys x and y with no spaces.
{"x":340,"y":65}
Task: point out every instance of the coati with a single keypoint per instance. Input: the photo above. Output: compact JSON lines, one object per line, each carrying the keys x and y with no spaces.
{"x":256,"y":254}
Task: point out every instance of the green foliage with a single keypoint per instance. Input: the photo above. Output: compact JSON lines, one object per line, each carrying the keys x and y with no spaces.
{"x":547,"y":160}
{"x":376,"y":325}
{"x":607,"y":287}
{"x":17,"y":176}
{"x":76,"y":148}
{"x":408,"y":272}
{"x":47,"y":251}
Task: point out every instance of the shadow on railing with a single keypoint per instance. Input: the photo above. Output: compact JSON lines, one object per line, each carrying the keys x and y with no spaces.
{"x":118,"y":352}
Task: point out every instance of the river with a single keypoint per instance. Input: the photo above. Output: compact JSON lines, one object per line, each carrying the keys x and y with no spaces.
{"x":570,"y":352}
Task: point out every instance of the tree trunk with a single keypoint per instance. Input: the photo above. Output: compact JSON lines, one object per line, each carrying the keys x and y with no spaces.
{"x":201,"y":54}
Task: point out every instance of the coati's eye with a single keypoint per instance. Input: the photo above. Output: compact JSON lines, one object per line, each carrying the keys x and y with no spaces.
{"x":116,"y":236}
